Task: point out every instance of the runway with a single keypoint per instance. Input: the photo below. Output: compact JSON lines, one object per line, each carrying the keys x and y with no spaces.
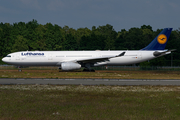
{"x":22,"y":81}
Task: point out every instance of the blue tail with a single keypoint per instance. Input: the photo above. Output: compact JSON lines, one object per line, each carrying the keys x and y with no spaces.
{"x":159,"y":43}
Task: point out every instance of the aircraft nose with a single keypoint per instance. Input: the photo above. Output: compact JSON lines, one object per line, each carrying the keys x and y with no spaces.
{"x":4,"y":59}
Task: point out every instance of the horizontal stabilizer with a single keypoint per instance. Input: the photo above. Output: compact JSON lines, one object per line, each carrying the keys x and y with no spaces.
{"x":157,"y":54}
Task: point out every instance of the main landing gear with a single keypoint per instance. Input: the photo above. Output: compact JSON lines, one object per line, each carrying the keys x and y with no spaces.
{"x":88,"y":70}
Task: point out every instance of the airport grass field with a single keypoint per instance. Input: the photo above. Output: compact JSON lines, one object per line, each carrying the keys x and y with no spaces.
{"x":89,"y":102}
{"x":98,"y":74}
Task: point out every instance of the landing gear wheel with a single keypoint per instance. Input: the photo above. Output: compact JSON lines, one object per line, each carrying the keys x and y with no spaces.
{"x":88,"y":70}
{"x":59,"y":69}
{"x":92,"y":70}
{"x":85,"y":70}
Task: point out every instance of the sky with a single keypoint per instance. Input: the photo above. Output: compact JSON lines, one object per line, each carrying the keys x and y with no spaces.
{"x":121,"y":14}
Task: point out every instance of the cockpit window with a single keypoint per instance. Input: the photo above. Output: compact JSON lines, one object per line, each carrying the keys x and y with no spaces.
{"x":8,"y":56}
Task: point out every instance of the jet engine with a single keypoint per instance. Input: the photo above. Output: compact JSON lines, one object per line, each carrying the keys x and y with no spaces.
{"x":70,"y":66}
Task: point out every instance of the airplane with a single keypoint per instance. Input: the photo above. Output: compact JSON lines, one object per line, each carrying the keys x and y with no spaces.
{"x":74,"y":60}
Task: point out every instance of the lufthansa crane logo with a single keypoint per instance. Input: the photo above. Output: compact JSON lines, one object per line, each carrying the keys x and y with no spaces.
{"x":162,"y":39}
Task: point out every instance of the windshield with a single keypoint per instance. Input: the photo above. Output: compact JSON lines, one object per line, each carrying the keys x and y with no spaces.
{"x":8,"y":56}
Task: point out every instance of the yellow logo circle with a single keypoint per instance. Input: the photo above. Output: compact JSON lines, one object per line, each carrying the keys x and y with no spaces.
{"x":162,"y":39}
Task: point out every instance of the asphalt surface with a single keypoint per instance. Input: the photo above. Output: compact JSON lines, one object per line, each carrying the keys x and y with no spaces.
{"x":9,"y":81}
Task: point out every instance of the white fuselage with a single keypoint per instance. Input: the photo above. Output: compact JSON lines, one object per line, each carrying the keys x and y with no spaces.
{"x":73,"y":60}
{"x":55,"y":58}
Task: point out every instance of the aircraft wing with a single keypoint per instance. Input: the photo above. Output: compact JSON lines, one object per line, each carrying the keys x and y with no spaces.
{"x":98,"y":59}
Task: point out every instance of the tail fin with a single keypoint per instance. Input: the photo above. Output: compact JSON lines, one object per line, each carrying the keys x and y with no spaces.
{"x":159,"y":43}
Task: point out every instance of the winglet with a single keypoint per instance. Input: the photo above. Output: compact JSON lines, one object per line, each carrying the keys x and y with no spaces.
{"x":122,"y":54}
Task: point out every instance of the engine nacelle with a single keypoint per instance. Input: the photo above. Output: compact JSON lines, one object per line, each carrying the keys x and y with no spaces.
{"x":70,"y":66}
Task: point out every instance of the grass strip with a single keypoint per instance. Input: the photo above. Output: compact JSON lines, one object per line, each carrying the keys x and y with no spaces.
{"x":98,"y":74}
{"x":89,"y":102}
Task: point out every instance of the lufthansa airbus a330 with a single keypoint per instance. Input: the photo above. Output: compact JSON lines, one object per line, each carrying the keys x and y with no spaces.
{"x":73,"y":60}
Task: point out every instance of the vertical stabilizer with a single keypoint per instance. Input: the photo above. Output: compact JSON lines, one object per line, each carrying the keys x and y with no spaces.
{"x":159,"y":43}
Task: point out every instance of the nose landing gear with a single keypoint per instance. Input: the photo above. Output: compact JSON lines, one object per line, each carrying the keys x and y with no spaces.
{"x":19,"y":69}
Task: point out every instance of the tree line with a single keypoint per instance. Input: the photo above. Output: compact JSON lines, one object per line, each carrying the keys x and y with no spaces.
{"x":32,"y":36}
